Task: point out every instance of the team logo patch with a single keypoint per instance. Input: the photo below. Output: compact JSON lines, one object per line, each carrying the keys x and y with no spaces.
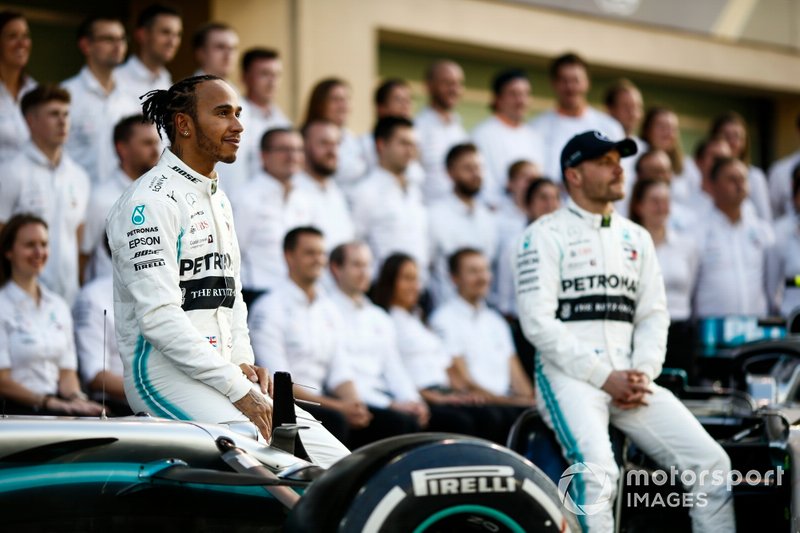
{"x":137,"y":218}
{"x":212,"y":340}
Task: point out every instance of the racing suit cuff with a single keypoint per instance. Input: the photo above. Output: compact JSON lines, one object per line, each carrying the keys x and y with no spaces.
{"x":599,"y":375}
{"x":239,"y":389}
{"x":648,"y":370}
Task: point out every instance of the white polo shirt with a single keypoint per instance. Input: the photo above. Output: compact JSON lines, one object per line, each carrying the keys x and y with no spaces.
{"x":329,"y":209}
{"x":437,"y":135}
{"x":351,"y":166}
{"x":258,"y":121}
{"x":421,"y":351}
{"x":95,"y":297}
{"x":783,"y":263}
{"x":679,"y":259}
{"x":29,"y":184}
{"x":731,"y":277}
{"x":455,"y":225}
{"x":780,"y":184}
{"x":93,"y":115}
{"x":482,"y":337}
{"x":392,"y":219}
{"x":35,"y":340}
{"x":371,"y":347}
{"x":136,"y":80}
{"x":263,"y":213}
{"x":101,"y":201}
{"x":13,"y":128}
{"x":291,"y":334}
{"x":415,"y":173}
{"x":556,"y":130}
{"x":501,"y":146}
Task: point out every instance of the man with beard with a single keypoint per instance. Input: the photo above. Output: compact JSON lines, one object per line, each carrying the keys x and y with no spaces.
{"x":439,"y":126}
{"x":459,"y":220}
{"x":388,"y":210}
{"x":591,"y":299}
{"x":181,"y":322}
{"x":98,"y":101}
{"x":329,"y":211}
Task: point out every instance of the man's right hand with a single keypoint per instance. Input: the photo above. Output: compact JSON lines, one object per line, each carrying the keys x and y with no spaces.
{"x":356,"y":413}
{"x":627,"y":388}
{"x":255,"y":407}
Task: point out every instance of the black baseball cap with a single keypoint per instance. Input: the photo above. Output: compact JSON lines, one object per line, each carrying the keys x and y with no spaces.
{"x":591,"y":145}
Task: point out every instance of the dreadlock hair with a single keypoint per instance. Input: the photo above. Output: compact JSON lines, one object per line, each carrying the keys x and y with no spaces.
{"x":160,"y":106}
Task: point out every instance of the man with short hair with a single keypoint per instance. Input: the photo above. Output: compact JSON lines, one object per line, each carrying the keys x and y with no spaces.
{"x":569,"y":78}
{"x":439,"y":125}
{"x":624,"y":103}
{"x":504,"y":138}
{"x":98,"y":100}
{"x":297,"y":328}
{"x":460,"y":220}
{"x":388,"y":211}
{"x":181,"y":323}
{"x":262,"y":69}
{"x":780,"y":181}
{"x":733,"y":244}
{"x":267,"y":208}
{"x":138,"y":148}
{"x":158,"y":33}
{"x":329,"y":208}
{"x":591,"y":299}
{"x":216,"y":48}
{"x":43,"y":180}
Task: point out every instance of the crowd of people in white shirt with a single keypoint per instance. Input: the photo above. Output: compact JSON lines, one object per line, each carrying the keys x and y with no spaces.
{"x":377,"y":268}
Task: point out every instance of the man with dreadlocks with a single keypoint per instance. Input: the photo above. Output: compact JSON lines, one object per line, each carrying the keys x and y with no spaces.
{"x":180,"y":320}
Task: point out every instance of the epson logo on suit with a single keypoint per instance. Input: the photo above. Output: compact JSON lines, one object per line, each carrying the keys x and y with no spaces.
{"x":478,"y":479}
{"x":144,"y":241}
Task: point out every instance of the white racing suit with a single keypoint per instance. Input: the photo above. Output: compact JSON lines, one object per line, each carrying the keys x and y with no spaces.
{"x":591,"y":299}
{"x":181,"y":323}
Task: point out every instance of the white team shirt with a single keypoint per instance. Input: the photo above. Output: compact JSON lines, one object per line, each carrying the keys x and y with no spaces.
{"x":415,"y":173}
{"x":257,"y":121}
{"x":686,"y":186}
{"x":421,"y":351}
{"x":35,"y":340}
{"x":482,"y":337}
{"x":371,"y":347}
{"x":29,"y":184}
{"x":511,"y":222}
{"x":13,"y":128}
{"x":679,"y":259}
{"x":291,"y":334}
{"x":731,"y":277}
{"x":783,"y":263}
{"x":501,"y":146}
{"x":780,"y":184}
{"x":95,"y":297}
{"x":390,"y":219}
{"x":351,"y":166}
{"x":453,"y":225}
{"x":102,"y":199}
{"x":93,"y":115}
{"x":136,"y":80}
{"x":759,"y":193}
{"x":264,"y":214}
{"x":436,"y":137}
{"x":629,"y":168}
{"x":330,"y":212}
{"x":556,"y":130}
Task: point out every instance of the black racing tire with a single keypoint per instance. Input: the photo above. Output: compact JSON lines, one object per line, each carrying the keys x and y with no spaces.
{"x":431,"y":483}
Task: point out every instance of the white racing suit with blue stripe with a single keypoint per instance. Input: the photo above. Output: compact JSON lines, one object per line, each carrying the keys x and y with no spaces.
{"x":591,"y":299}
{"x":181,"y":323}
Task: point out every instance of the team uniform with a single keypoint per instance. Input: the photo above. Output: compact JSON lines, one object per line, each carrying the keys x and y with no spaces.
{"x":731,"y":277}
{"x":257,"y":121}
{"x":780,"y":184}
{"x":453,"y":225}
{"x":59,"y":195}
{"x":351,"y":166}
{"x":35,"y":338}
{"x":783,"y":265}
{"x":180,"y":320}
{"x":264,"y":212}
{"x":511,"y":222}
{"x":415,"y":173}
{"x":136,"y":80}
{"x":329,"y":207}
{"x":501,"y":146}
{"x":759,"y":192}
{"x":591,"y":299}
{"x":437,"y":135}
{"x":93,"y":114}
{"x":13,"y":128}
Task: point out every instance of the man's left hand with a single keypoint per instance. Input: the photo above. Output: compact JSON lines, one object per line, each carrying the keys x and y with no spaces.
{"x":259,"y":375}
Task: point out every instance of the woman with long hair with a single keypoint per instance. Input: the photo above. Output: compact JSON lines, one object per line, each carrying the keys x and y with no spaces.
{"x":15,"y":51}
{"x":679,"y":259}
{"x":330,"y":101}
{"x":732,"y":127}
{"x":37,"y":349}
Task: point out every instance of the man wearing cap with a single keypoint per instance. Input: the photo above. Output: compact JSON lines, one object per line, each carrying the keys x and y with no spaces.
{"x":591,"y":299}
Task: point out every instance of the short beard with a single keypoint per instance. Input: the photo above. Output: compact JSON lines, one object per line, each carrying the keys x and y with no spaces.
{"x":467,"y":191}
{"x":440,"y":103}
{"x":212,"y":149}
{"x":320,"y":169}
